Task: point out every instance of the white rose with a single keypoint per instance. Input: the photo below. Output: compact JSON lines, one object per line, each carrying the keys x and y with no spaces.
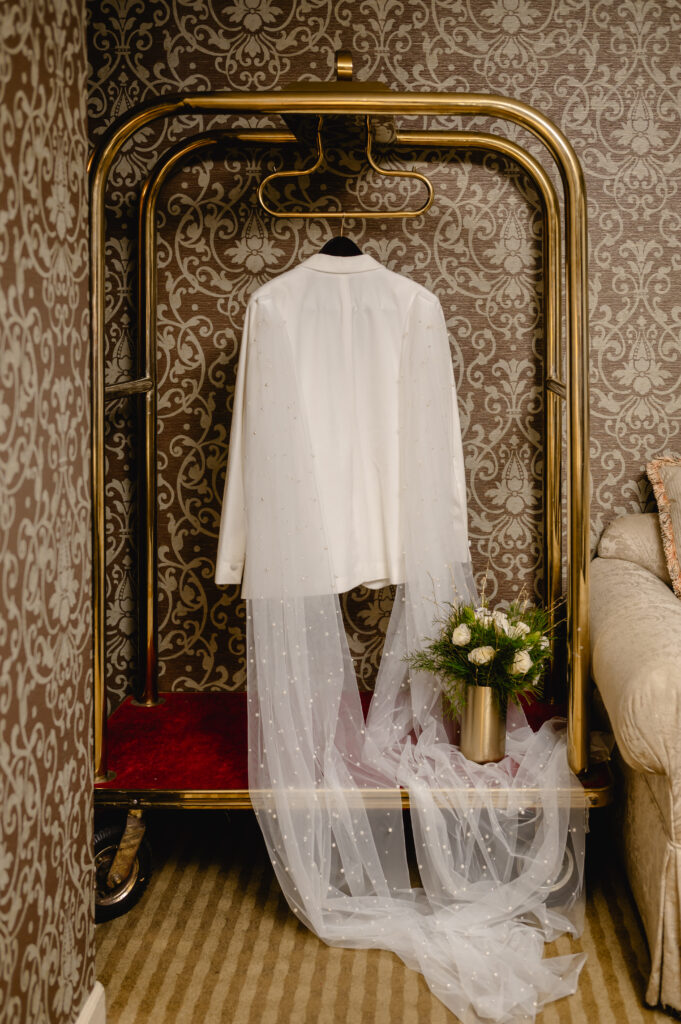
{"x":461,"y":635}
{"x":481,"y":655}
{"x":484,"y":616}
{"x":520,"y":629}
{"x":521,"y":663}
{"x":544,"y":643}
{"x":501,"y":620}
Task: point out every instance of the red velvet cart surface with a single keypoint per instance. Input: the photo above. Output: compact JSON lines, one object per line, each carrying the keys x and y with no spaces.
{"x":191,"y":750}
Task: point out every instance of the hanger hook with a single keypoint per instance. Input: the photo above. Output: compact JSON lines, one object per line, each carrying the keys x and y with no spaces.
{"x":338,"y":214}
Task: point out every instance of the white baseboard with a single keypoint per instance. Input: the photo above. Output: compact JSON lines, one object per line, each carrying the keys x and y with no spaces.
{"x":94,"y":1011}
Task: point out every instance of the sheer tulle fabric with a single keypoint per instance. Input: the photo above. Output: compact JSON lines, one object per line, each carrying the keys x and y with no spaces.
{"x":324,"y":784}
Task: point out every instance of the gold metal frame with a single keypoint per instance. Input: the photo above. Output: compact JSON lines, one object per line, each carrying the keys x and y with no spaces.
{"x":147,"y":380}
{"x":240,"y":799}
{"x":352,"y":98}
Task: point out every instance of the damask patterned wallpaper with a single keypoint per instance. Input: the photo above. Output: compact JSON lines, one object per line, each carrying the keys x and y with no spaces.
{"x":46,"y":875}
{"x":608,"y":74}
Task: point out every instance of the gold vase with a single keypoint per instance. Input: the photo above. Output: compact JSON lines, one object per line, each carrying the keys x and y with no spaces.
{"x":483,"y":727}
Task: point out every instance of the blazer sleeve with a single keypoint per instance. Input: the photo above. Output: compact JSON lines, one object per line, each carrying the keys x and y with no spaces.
{"x":232,"y":539}
{"x":433,"y":390}
{"x":458,"y":465}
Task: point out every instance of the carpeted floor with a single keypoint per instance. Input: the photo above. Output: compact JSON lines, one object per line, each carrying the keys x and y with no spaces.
{"x":212,"y":941}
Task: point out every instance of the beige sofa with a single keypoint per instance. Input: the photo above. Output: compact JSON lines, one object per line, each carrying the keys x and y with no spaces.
{"x":636,"y":664}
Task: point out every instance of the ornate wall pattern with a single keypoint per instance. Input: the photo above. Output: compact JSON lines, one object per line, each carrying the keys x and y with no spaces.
{"x":46,"y":927}
{"x":608,"y":75}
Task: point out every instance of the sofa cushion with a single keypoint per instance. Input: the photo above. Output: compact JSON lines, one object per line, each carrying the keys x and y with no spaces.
{"x":665,"y":476}
{"x":635,"y":622}
{"x":637,"y":539}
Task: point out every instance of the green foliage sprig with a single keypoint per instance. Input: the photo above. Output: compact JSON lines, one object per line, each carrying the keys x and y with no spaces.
{"x":508,"y":651}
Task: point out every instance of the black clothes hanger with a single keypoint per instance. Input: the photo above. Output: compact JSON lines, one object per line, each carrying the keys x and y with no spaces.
{"x":341,"y":245}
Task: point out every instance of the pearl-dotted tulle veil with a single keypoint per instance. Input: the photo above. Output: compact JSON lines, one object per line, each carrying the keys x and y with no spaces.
{"x":324,"y":784}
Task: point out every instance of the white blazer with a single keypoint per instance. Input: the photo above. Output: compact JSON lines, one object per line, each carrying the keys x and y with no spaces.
{"x":347,"y":319}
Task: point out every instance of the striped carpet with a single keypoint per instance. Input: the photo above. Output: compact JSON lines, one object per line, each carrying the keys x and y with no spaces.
{"x":212,"y":941}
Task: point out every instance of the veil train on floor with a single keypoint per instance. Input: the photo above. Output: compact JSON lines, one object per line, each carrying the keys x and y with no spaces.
{"x":325,"y":785}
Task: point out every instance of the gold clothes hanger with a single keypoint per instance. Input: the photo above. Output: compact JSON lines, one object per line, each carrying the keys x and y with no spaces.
{"x":337,"y":214}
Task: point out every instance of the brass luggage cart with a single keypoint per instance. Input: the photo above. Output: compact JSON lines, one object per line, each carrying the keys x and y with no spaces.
{"x":133,"y":770}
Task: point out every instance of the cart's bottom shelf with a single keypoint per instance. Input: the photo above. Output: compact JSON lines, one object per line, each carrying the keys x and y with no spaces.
{"x":191,"y":751}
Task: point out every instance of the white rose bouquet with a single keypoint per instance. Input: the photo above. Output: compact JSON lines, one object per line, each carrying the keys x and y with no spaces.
{"x":508,"y":651}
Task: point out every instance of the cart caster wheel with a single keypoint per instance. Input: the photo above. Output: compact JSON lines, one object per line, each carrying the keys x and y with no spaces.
{"x":111,"y":903}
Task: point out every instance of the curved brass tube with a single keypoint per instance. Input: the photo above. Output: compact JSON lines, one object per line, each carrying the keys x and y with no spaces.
{"x":377,"y":104}
{"x":165,"y":167}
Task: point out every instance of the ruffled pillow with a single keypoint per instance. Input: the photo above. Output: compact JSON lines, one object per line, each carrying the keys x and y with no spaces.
{"x":665,"y":476}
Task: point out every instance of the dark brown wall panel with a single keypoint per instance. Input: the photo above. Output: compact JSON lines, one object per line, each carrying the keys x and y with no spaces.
{"x":46,"y":875}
